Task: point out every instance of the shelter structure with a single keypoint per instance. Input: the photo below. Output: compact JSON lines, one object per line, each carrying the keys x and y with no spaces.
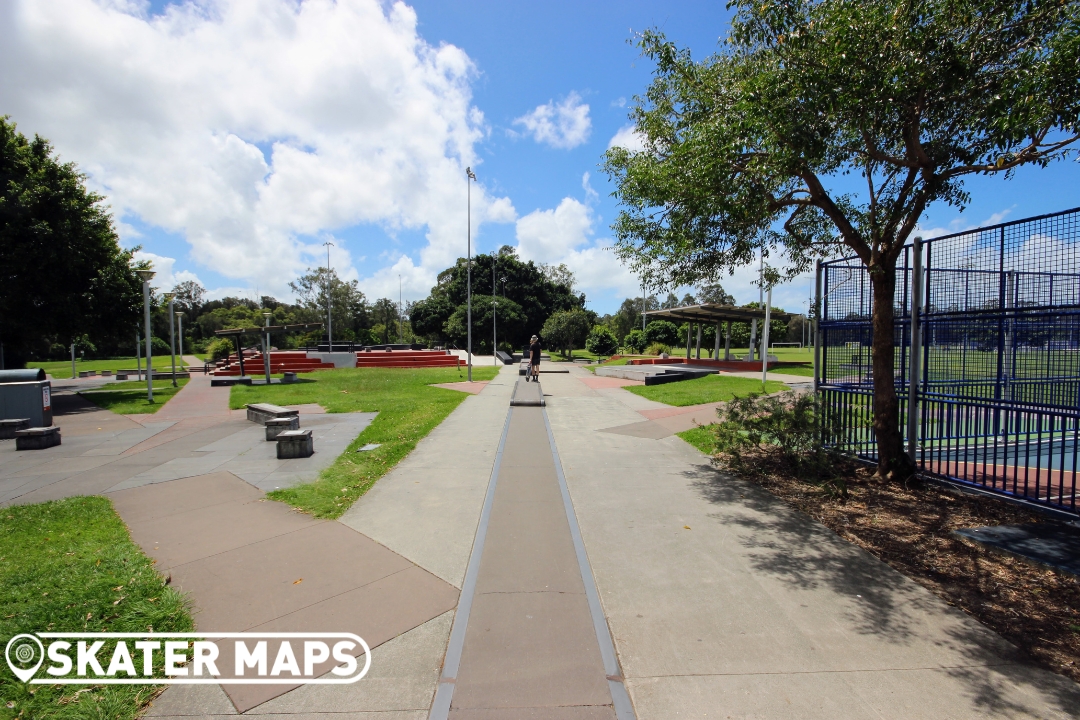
{"x":697,"y":316}
{"x":265,"y":332}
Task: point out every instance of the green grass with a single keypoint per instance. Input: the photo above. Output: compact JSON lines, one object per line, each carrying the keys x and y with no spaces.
{"x":557,"y":356}
{"x":408,"y":410}
{"x":69,"y":566}
{"x":129,"y":397}
{"x":703,"y":437}
{"x":61,"y":370}
{"x":800,"y":370}
{"x":711,"y":388}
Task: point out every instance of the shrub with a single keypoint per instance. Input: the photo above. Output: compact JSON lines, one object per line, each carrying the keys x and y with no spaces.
{"x":663,"y":332}
{"x":635,"y":341}
{"x":219,"y":349}
{"x":657,"y":348}
{"x":159,"y":346}
{"x":784,"y":430}
{"x":602,"y":341}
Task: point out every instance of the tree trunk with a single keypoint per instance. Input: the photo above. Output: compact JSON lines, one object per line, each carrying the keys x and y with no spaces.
{"x":893,"y":462}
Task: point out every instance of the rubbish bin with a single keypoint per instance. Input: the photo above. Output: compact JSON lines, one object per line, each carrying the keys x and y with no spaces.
{"x":26,"y":394}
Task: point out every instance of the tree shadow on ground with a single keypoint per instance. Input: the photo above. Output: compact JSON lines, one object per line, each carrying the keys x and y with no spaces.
{"x":875,"y":600}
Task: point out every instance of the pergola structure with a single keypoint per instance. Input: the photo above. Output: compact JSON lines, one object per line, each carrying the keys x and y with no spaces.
{"x":710,"y":313}
{"x":265,"y":333}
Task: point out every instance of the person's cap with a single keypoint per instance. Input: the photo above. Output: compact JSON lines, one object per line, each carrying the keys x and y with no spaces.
{"x":533,"y":337}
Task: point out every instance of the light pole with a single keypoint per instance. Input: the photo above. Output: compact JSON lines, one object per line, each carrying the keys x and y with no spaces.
{"x":494,"y":292}
{"x":469,"y":178}
{"x":400,"y":329}
{"x":146,"y":275}
{"x":329,"y":326}
{"x":171,"y":297}
{"x":180,"y":334}
{"x":266,"y":345}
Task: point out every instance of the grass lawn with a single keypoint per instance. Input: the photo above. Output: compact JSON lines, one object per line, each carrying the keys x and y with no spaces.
{"x":61,"y":369}
{"x":702,"y":437}
{"x":711,"y":388}
{"x":557,"y":356}
{"x":129,"y":397}
{"x":69,"y":566}
{"x":408,"y":410}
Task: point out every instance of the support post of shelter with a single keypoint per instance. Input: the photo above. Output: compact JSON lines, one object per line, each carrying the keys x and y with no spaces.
{"x":727,"y":341}
{"x":697,"y":347}
{"x":689,"y":334}
{"x":716,"y":343}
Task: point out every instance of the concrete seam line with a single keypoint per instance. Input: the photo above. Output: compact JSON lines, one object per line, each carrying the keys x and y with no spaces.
{"x":624,"y":709}
{"x":444,"y":692}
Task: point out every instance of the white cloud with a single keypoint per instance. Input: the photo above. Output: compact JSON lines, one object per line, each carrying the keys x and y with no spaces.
{"x":591,"y":195}
{"x":166,"y":277}
{"x":562,"y":235}
{"x":561,"y":125}
{"x":629,"y":138}
{"x":254,"y":127}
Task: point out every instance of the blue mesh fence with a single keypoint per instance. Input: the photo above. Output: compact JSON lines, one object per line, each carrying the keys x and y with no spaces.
{"x":999,"y":383}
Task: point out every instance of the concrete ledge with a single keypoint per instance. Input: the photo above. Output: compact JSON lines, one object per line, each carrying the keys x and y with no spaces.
{"x":229,"y":381}
{"x":9,"y":426}
{"x":294,"y":444}
{"x":527,"y":394}
{"x":261,"y":412}
{"x":276,"y":426}
{"x":37,"y":438}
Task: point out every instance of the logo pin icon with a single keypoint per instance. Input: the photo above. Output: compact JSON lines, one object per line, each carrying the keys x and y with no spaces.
{"x":24,"y":656}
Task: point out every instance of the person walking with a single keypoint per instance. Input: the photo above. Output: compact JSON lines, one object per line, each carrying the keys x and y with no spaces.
{"x":534,"y":359}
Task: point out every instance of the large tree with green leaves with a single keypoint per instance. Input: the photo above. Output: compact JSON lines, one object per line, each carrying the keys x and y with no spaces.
{"x":757,"y":146}
{"x":63,"y":274}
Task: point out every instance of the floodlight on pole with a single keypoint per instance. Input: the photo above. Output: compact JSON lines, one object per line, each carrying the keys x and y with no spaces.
{"x":171,"y":298}
{"x":146,"y":276}
{"x":329,"y":326}
{"x":469,"y":179}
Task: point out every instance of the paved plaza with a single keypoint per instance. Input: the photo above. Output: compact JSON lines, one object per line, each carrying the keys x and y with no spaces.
{"x":573,"y":561}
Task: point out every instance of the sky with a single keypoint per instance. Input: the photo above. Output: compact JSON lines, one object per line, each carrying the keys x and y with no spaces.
{"x":234,"y":138}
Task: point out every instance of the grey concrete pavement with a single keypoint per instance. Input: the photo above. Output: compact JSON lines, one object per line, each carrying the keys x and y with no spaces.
{"x":725,"y":603}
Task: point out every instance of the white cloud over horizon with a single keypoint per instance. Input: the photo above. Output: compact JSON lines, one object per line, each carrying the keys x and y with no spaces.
{"x":563,"y":125}
{"x":255,"y":129}
{"x":627,"y":137}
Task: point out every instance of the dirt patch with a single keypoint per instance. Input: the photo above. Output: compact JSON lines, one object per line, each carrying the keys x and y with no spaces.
{"x":1037,"y":610}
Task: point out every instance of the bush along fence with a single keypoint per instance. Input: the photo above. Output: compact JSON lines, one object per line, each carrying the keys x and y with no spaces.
{"x":987,"y":356}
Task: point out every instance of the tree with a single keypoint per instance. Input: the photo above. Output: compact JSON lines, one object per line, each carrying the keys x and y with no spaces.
{"x":715,"y":294}
{"x":752,"y":149}
{"x":510,"y":323}
{"x":190,"y":296}
{"x":527,"y":285}
{"x":566,"y":330}
{"x":635,"y":341}
{"x":63,"y":274}
{"x":601,"y":341}
{"x":663,"y":332}
{"x":348,"y":306}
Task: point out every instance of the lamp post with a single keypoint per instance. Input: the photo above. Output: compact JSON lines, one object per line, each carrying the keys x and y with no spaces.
{"x":180,"y":334}
{"x":329,"y":326}
{"x":494,"y":292}
{"x":266,"y":345}
{"x":171,"y":297}
{"x":400,"y":329}
{"x":146,"y":275}
{"x":469,"y":178}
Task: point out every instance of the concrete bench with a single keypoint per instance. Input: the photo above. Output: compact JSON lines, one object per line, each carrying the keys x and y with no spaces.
{"x":84,"y":373}
{"x":37,"y":438}
{"x":276,"y":426}
{"x":121,"y":376}
{"x":261,"y":412}
{"x":106,"y":373}
{"x":287,"y":378}
{"x":294,"y":444}
{"x":8,"y":427}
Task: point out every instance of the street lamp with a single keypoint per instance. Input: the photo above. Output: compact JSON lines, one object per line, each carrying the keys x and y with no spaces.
{"x":329,"y":326}
{"x":469,"y":179}
{"x":146,"y":276}
{"x":266,"y":345}
{"x":180,"y":334}
{"x":494,"y":292}
{"x":171,"y":297}
{"x":400,"y":328}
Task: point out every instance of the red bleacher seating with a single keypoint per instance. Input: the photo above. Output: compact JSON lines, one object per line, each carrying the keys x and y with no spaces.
{"x":299,"y":362}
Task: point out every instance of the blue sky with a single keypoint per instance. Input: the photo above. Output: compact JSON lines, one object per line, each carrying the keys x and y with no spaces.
{"x":234,"y":137}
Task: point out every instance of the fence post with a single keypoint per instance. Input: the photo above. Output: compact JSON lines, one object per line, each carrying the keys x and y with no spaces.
{"x":817,"y":326}
{"x":915,"y":350}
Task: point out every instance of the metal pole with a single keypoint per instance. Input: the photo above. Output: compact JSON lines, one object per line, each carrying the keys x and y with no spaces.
{"x":689,"y":333}
{"x":138,"y":356}
{"x":180,"y":335}
{"x":400,"y":328}
{"x":329,"y":322}
{"x":642,"y":306}
{"x":494,"y":292}
{"x":817,"y":326}
{"x":266,"y":347}
{"x":469,"y":177}
{"x":727,"y":340}
{"x":74,"y":374}
{"x":916,"y":349}
{"x":697,"y":345}
{"x":172,"y":336}
{"x":716,"y":343}
{"x":149,"y":353}
{"x":765,"y":339}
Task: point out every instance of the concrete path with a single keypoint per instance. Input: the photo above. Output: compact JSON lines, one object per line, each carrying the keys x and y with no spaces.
{"x":723,"y":602}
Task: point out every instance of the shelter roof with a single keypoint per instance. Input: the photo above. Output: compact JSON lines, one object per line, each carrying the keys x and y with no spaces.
{"x":712,"y":312}
{"x":268,"y":329}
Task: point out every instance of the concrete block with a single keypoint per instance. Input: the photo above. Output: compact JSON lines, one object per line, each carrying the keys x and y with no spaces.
{"x":106,"y":373}
{"x":121,"y":376}
{"x":261,"y":412}
{"x":288,"y":378}
{"x":8,"y":427}
{"x":37,"y":438}
{"x":294,"y":444}
{"x":84,"y":373}
{"x":276,"y":426}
